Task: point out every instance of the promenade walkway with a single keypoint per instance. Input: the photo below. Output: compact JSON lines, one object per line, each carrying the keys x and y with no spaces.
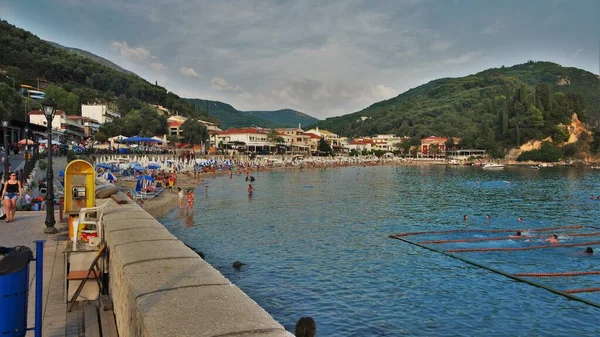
{"x":28,"y":227}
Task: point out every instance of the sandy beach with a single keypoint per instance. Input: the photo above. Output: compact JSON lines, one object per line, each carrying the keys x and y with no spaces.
{"x":167,"y":200}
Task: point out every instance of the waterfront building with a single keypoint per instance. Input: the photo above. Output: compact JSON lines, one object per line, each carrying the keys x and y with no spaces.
{"x":299,"y":140}
{"x":99,"y":112}
{"x":433,"y":146}
{"x":70,"y":128}
{"x":252,"y":139}
{"x":90,"y":125}
{"x":361,"y":144}
{"x":174,"y":124}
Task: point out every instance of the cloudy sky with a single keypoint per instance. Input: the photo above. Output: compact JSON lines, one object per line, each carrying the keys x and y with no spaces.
{"x":324,"y":58}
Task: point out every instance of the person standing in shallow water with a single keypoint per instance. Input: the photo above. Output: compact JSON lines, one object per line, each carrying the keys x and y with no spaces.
{"x":306,"y":327}
{"x":250,"y":189}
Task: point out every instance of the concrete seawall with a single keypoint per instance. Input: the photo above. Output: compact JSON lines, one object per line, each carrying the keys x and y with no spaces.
{"x":160,"y":287}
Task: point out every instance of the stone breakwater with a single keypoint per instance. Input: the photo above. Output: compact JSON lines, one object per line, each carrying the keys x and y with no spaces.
{"x":160,"y":287}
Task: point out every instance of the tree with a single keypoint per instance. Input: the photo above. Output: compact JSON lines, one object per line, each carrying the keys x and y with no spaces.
{"x":10,"y":103}
{"x":101,"y":137}
{"x":67,"y":101}
{"x":324,"y":146}
{"x":194,"y":132}
{"x":505,"y":120}
{"x":272,"y":135}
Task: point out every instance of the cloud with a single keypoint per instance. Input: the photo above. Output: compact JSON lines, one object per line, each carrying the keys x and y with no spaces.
{"x":158,"y":66}
{"x":463,"y":58}
{"x":575,"y":54}
{"x":190,"y":72}
{"x":494,"y":28}
{"x":220,"y":84}
{"x":440,"y":45}
{"x":123,"y":48}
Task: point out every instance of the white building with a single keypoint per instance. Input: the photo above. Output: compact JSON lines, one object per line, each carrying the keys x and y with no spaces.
{"x":71,"y":128}
{"x":362,"y":144}
{"x":99,"y":112}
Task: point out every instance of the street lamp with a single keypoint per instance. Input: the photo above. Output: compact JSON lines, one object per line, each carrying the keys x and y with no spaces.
{"x":26,"y":146}
{"x":6,"y":163}
{"x":49,"y":110}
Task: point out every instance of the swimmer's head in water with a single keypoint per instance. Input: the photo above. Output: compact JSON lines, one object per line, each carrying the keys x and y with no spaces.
{"x":589,"y":250}
{"x":518,"y":233}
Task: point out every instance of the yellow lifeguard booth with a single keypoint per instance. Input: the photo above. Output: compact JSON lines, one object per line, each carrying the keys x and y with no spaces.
{"x":80,"y":188}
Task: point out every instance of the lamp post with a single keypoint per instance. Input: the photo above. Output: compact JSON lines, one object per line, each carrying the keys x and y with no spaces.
{"x":49,"y":110}
{"x":26,"y":154}
{"x":6,"y":163}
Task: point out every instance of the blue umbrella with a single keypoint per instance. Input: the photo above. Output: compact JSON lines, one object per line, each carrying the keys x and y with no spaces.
{"x":146,"y":177}
{"x":153,"y":167}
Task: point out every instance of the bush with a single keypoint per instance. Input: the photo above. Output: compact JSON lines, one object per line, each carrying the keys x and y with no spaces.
{"x":570,"y":150}
{"x":42,"y":165}
{"x":71,"y":156}
{"x":548,"y":153}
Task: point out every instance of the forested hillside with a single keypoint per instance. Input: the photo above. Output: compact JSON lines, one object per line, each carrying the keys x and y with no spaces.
{"x":285,"y":117}
{"x":230,"y":117}
{"x":494,"y":109}
{"x":71,"y":79}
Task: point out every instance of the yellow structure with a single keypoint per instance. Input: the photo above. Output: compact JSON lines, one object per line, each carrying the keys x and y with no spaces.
{"x":80,"y":186}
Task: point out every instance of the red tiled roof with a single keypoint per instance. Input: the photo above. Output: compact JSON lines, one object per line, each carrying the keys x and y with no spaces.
{"x":431,"y":139}
{"x":173,"y":123}
{"x":40,"y":112}
{"x":312,"y":135}
{"x":361,"y":142}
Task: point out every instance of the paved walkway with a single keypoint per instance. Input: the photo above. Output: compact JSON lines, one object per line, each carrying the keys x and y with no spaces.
{"x":28,"y":227}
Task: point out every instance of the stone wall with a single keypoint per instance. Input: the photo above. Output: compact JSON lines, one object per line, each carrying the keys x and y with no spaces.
{"x":160,"y":287}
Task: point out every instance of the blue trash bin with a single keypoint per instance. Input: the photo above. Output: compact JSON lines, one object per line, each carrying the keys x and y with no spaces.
{"x":14,"y":290}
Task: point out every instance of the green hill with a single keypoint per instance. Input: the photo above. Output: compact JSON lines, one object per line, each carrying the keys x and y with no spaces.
{"x":92,"y":56}
{"x":500,"y":106}
{"x":230,"y":117}
{"x":72,"y":78}
{"x":285,"y":117}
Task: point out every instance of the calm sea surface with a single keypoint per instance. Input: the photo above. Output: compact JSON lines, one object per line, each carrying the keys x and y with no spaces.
{"x":315,"y":243}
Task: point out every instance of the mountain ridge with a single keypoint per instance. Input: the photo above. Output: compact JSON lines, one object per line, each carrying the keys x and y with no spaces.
{"x":230,"y":117}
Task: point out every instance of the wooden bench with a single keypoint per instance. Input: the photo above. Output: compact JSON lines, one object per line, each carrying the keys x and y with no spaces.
{"x":99,"y":322}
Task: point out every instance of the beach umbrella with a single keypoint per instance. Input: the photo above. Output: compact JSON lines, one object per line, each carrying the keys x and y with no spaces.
{"x":146,"y":177}
{"x":26,"y":141}
{"x":153,"y":166}
{"x":104,"y":166}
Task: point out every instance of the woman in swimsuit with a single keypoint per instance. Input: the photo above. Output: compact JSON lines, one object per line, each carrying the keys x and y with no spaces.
{"x":10,"y":192}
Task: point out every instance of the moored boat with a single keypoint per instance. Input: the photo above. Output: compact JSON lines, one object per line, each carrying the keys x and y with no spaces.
{"x":493,"y":166}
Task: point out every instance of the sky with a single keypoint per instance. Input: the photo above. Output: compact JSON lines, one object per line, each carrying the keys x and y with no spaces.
{"x":324,"y":57}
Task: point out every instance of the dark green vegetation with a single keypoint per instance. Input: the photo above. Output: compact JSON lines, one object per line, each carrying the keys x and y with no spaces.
{"x":548,"y":153}
{"x":495,"y":109}
{"x":230,"y":117}
{"x":91,"y":56}
{"x":72,"y":79}
{"x":285,"y":117}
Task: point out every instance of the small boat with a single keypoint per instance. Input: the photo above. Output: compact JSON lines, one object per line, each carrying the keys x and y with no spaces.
{"x":493,"y":166}
{"x":546,"y":165}
{"x":535,"y":167}
{"x":595,"y":167}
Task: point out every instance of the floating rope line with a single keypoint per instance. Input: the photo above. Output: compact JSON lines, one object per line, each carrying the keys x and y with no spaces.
{"x":517,"y":278}
{"x":567,"y":273}
{"x":582,"y":290}
{"x":544,"y":229}
{"x":462,"y":250}
{"x":512,"y":237}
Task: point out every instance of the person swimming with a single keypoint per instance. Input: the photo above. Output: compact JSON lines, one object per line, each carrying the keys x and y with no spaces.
{"x":466,"y":217}
{"x":520,"y":219}
{"x":553,"y":239}
{"x":589,"y":251}
{"x":592,"y":197}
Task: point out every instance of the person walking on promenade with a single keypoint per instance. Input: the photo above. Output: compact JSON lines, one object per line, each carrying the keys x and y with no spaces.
{"x":12,"y":189}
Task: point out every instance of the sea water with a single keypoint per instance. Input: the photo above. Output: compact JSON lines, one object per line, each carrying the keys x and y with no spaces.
{"x":315,"y":243}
